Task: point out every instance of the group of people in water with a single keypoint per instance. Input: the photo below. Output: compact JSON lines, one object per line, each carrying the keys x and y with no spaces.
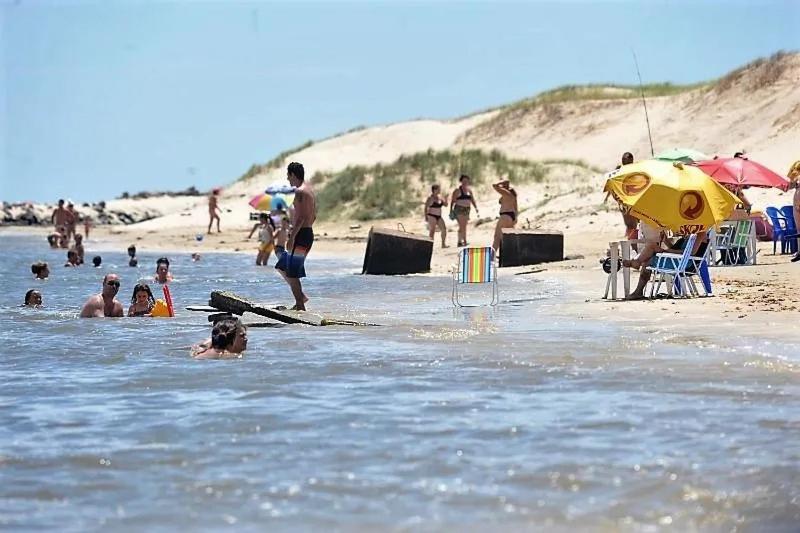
{"x":462,"y":200}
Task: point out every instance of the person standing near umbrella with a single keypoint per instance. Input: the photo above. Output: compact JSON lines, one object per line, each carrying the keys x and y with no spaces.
{"x":213,"y":209}
{"x":794,"y":182}
{"x":291,"y":265}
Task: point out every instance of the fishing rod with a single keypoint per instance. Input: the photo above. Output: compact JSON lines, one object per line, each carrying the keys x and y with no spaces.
{"x":644,"y":103}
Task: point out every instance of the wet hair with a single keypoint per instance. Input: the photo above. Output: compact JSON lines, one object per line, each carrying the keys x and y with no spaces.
{"x":463,"y":177}
{"x":38,"y":267}
{"x":224,"y":333}
{"x":162,"y":261}
{"x":132,"y":250}
{"x":297,"y":170}
{"x":96,"y":260}
{"x":29,"y":295}
{"x":146,"y":288}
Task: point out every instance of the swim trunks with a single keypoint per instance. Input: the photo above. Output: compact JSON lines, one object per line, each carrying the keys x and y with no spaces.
{"x":293,"y":263}
{"x":279,"y":250}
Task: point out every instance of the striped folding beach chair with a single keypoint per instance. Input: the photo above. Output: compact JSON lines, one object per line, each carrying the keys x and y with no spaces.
{"x":475,"y":265}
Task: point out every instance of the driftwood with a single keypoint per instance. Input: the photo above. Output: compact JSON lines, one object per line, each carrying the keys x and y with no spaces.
{"x":235,"y":304}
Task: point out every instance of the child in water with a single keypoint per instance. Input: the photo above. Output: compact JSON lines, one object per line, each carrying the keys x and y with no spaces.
{"x":142,"y":301}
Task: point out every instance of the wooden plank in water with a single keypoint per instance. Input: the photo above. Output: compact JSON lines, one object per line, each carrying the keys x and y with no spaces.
{"x":234,"y":303}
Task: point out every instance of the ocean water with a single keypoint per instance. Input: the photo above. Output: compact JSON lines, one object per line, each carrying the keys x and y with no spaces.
{"x":512,"y":418}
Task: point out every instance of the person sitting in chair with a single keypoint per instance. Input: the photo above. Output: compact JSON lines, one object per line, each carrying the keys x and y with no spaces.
{"x":647,"y":257}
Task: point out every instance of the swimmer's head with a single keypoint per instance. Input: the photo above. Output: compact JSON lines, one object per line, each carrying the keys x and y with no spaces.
{"x":143,"y":295}
{"x":162,"y":266}
{"x":72,"y":256}
{"x":111,"y":285}
{"x":229,"y":334}
{"x":40,"y":269}
{"x":295,"y":173}
{"x":52,"y":239}
{"x":96,"y":260}
{"x":33,"y":298}
{"x":132,"y":250}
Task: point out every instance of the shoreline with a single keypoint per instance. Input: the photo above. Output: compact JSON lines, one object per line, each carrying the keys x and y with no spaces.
{"x":758,"y":301}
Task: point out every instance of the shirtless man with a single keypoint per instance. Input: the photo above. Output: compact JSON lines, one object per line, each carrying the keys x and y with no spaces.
{"x":60,"y":216}
{"x":292,"y":263}
{"x":508,"y":211}
{"x":72,"y":221}
{"x":213,"y":209}
{"x":105,"y":303}
{"x":79,"y":247}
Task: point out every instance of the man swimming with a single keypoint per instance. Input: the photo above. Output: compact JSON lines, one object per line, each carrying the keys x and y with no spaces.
{"x":292,"y":263}
{"x":105,"y":303}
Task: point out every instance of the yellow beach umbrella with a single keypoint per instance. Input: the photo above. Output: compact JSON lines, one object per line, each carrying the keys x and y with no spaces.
{"x":674,"y":196}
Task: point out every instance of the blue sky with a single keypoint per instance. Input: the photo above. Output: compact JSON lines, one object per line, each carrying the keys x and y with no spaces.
{"x":100,"y":98}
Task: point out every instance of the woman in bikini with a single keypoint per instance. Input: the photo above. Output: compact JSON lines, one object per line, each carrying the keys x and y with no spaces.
{"x":461,"y":200}
{"x":508,"y":211}
{"x":142,"y":301}
{"x":266,"y":232}
{"x":433,"y":213}
{"x":794,"y":180}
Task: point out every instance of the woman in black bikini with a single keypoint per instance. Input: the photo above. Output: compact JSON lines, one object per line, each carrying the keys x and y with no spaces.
{"x":433,"y":213}
{"x":461,"y":201}
{"x":142,"y":301}
{"x":508,"y":211}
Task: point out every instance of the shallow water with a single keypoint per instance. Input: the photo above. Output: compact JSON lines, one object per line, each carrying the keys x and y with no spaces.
{"x":488,"y":419}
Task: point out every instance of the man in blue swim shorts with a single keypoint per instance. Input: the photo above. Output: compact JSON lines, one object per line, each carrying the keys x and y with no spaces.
{"x":291,"y":264}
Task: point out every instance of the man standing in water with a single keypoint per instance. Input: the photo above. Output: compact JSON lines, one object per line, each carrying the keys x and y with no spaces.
{"x":60,"y":216}
{"x":105,"y":303}
{"x":301,"y":236}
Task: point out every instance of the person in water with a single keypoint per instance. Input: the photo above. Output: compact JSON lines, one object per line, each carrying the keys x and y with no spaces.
{"x":163,"y":274}
{"x":132,"y":262}
{"x":72,"y":259}
{"x":104,"y":304}
{"x":266,"y":235}
{"x":228,"y":341}
{"x":33,"y":298}
{"x":97,"y":261}
{"x":72,"y":221}
{"x":79,"y":247}
{"x":281,"y":222}
{"x":461,"y":201}
{"x":40,"y":270}
{"x":508,"y":211}
{"x":60,"y":217}
{"x":291,"y":264}
{"x":142,"y":301}
{"x":433,"y":213}
{"x":213,"y":209}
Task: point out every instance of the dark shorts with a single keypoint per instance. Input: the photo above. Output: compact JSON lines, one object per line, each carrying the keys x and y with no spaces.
{"x":293,"y":263}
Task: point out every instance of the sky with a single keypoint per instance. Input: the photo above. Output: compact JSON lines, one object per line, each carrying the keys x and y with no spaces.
{"x":101,"y":98}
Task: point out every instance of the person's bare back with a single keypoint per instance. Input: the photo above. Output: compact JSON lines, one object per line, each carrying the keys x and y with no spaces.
{"x":305,"y":206}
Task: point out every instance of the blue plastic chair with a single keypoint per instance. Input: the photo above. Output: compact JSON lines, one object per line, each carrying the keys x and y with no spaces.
{"x":671,"y":269}
{"x":781,"y":231}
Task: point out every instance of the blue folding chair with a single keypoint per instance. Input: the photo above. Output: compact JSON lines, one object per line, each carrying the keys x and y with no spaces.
{"x":788,"y":212}
{"x":676,"y":271}
{"x":781,"y":231}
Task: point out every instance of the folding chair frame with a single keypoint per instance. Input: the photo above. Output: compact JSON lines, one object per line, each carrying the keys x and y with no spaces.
{"x":457,"y":272}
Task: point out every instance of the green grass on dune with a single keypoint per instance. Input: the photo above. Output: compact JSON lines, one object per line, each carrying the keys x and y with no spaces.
{"x":396,"y":189}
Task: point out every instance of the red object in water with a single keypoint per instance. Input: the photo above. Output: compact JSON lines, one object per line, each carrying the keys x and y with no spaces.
{"x":168,"y":298}
{"x":741,"y":172}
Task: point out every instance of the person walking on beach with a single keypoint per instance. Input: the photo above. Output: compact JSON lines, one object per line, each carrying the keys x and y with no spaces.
{"x":163,"y":274}
{"x":433,"y":213}
{"x":213,"y":209}
{"x":104,"y":304}
{"x":460,"y":201}
{"x":508,"y":211}
{"x":301,"y":235}
{"x":266,"y":233}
